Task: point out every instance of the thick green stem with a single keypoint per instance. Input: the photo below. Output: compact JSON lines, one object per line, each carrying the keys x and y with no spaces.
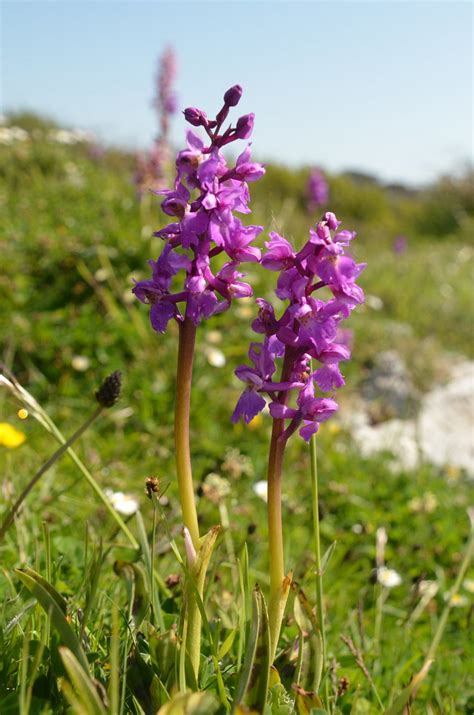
{"x":275,"y":533}
{"x":194,"y":618}
{"x":278,"y":584}
{"x":187,"y":337}
{"x":317,"y":555}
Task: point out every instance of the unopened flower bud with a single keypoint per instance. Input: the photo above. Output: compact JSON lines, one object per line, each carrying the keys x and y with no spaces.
{"x":244,"y":126}
{"x":189,"y":547}
{"x":109,"y":392}
{"x":233,"y":95}
{"x":195,"y":116}
{"x":331,"y":220}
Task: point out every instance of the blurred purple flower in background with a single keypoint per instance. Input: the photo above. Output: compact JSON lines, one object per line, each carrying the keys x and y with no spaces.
{"x":317,"y":189}
{"x":206,"y":194}
{"x":400,"y":245}
{"x":151,"y":166}
{"x":165,"y":101}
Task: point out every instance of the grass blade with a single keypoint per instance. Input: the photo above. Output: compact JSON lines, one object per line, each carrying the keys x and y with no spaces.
{"x":82,"y":683}
{"x":50,"y":600}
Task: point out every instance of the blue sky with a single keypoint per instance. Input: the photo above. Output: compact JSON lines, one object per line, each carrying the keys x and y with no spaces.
{"x":383,"y":87}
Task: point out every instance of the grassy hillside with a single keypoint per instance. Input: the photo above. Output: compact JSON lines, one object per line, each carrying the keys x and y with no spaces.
{"x":73,"y":236}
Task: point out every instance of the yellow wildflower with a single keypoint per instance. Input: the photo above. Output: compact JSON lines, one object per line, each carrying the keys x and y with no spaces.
{"x":9,"y":436}
{"x":256,"y":422}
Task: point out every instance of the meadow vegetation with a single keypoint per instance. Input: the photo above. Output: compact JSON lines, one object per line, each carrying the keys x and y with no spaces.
{"x":74,"y":235}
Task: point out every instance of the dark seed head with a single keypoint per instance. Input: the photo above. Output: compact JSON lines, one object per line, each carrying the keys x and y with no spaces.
{"x":109,"y":392}
{"x":152,"y":486}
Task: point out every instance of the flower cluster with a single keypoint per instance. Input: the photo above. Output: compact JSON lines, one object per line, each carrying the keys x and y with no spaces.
{"x":206,"y":193}
{"x":317,"y":189}
{"x":165,"y":100}
{"x":308,"y":329}
{"x":150,"y":169}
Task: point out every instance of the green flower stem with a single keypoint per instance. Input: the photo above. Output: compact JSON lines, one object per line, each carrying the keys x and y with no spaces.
{"x":8,"y":521}
{"x":187,"y":338}
{"x":275,"y":533}
{"x":278,"y":585}
{"x":193,"y":632}
{"x":317,"y":555}
{"x":457,"y":585}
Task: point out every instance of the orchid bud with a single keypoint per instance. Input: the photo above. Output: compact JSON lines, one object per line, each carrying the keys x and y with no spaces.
{"x":233,"y":95}
{"x":195,"y":116}
{"x":244,"y":126}
{"x":331,"y":220}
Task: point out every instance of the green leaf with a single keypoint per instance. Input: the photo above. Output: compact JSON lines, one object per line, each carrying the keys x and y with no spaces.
{"x":83,"y":685}
{"x":310,"y":660}
{"x":47,"y":587}
{"x":50,"y":600}
{"x":190,"y":704}
{"x":227,"y":645}
{"x":327,"y":556}
{"x":252,"y":687}
{"x":134,"y":575}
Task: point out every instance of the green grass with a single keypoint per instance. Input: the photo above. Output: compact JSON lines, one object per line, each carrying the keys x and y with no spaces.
{"x":73,"y":236}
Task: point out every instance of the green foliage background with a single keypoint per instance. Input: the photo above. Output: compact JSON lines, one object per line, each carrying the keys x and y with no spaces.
{"x":73,"y":236}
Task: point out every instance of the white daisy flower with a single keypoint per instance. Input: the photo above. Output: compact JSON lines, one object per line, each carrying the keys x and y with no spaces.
{"x":388,"y":578}
{"x":123,"y":503}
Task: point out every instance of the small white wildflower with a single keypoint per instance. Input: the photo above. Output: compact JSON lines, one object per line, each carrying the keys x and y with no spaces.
{"x":456,"y":600}
{"x":214,"y":336}
{"x":261,"y":489}
{"x":357,"y":528}
{"x":426,"y":503}
{"x":215,"y":357}
{"x":427,"y":587}
{"x":468,"y":584}
{"x":216,"y":487}
{"x":123,"y":503}
{"x":81,"y":363}
{"x":388,"y":578}
{"x":374,"y":302}
{"x":101,"y":274}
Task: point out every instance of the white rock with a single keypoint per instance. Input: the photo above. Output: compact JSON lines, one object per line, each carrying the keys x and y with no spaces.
{"x":446,"y":421}
{"x":395,"y":436}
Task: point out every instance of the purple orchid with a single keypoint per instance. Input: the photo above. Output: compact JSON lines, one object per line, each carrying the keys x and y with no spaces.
{"x":206,"y":195}
{"x":150,"y":173}
{"x":317,"y":190}
{"x":308,"y":330}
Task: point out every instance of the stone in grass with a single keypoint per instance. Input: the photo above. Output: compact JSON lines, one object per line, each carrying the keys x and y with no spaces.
{"x":388,"y":388}
{"x":395,"y":436}
{"x":446,"y":421}
{"x":441,"y":434}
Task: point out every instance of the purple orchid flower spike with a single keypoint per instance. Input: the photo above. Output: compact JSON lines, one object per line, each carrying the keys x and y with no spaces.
{"x":206,"y":195}
{"x":308,"y":330}
{"x":151,"y":168}
{"x":300,"y":398}
{"x":317,"y":190}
